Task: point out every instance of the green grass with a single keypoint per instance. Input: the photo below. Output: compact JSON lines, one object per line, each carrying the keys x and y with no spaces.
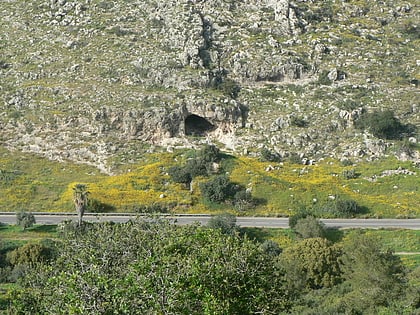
{"x":15,"y":234}
{"x":32,"y":183}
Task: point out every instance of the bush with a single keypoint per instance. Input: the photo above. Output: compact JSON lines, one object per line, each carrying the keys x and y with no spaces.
{"x":29,"y":254}
{"x":298,"y":122}
{"x":271,"y":248}
{"x":343,"y":208}
{"x":210,"y":154}
{"x":349,"y":174}
{"x":269,"y":156}
{"x":154,"y":208}
{"x":97,"y":206}
{"x":383,"y":125}
{"x":217,"y":189}
{"x":180,"y":175}
{"x":25,"y":219}
{"x":301,"y":214}
{"x":309,"y":227}
{"x":225,"y":222}
{"x":243,"y":200}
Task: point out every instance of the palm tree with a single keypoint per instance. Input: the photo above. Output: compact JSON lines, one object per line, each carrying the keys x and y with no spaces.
{"x":80,"y":199}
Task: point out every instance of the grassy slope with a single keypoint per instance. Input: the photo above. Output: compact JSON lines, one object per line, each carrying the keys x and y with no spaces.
{"x":35,"y":184}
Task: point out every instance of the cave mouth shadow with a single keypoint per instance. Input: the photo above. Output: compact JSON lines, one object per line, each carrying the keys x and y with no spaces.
{"x":197,"y":126}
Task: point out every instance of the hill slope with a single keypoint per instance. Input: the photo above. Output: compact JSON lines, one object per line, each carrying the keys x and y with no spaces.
{"x":101,"y":82}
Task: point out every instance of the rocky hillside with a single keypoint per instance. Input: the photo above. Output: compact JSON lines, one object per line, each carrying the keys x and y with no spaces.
{"x":102,"y":81}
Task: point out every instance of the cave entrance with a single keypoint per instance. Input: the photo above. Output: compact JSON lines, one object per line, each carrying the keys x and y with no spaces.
{"x":197,"y":126}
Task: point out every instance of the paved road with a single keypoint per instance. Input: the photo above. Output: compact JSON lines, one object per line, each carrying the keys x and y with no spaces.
{"x":413,"y":224}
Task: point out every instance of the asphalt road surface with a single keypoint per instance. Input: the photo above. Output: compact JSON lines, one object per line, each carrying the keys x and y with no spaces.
{"x":413,"y":224}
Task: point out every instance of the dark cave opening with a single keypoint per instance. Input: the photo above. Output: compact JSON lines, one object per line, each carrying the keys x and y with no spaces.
{"x":197,"y":126}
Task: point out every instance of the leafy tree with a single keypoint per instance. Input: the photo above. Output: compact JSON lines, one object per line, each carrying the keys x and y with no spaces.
{"x":309,"y":227}
{"x":312,"y":263}
{"x":217,"y":189}
{"x":81,"y":200}
{"x":375,"y":277}
{"x":29,"y":254}
{"x":300,"y":214}
{"x":180,"y":175}
{"x":25,"y":219}
{"x":154,"y":267}
{"x":382,"y":125}
{"x":226,"y":222}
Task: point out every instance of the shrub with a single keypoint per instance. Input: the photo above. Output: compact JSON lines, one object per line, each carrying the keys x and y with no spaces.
{"x":226,"y":222}
{"x":154,"y":208}
{"x":300,"y":214}
{"x":29,"y":254}
{"x":343,"y":208}
{"x":271,"y":248}
{"x":269,"y":156}
{"x":298,"y":122}
{"x":323,"y":78}
{"x":309,"y":227}
{"x":25,"y":219}
{"x":349,"y":174}
{"x":243,"y":200}
{"x":97,"y":206}
{"x":347,"y":162}
{"x":210,"y":154}
{"x":180,"y":174}
{"x":217,"y":189}
{"x":382,"y":125}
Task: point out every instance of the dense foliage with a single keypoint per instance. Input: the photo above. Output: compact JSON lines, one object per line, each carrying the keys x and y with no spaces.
{"x":154,"y":267}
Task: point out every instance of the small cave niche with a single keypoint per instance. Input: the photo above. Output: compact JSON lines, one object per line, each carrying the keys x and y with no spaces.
{"x":197,"y":126}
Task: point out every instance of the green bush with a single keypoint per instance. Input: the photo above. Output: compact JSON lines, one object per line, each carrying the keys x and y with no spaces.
{"x":243,"y":200}
{"x":383,"y":125}
{"x":269,"y":156}
{"x":349,"y":174}
{"x":346,"y":208}
{"x":271,"y":248}
{"x":309,"y":227}
{"x":217,"y":189}
{"x":25,"y":219}
{"x":180,"y":174}
{"x":97,"y":206}
{"x":226,"y":222}
{"x":298,"y":122}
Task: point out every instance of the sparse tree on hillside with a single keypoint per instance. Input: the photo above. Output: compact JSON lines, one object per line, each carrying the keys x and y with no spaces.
{"x":80,"y":199}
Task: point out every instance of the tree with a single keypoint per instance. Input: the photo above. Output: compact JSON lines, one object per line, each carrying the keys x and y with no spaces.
{"x":312,"y":263}
{"x":309,"y":227}
{"x":375,"y":277}
{"x":382,"y":125}
{"x":225,"y":222}
{"x":25,"y":219}
{"x":154,"y":267}
{"x":180,"y":175}
{"x":80,"y":199}
{"x":217,"y":189}
{"x":29,"y":254}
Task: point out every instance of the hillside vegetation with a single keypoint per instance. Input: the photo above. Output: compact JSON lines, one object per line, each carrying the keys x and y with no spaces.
{"x":103,"y":81}
{"x":384,"y":188}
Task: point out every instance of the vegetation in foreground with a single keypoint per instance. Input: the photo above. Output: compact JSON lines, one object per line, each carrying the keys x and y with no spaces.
{"x":209,"y":181}
{"x":155,"y":267}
